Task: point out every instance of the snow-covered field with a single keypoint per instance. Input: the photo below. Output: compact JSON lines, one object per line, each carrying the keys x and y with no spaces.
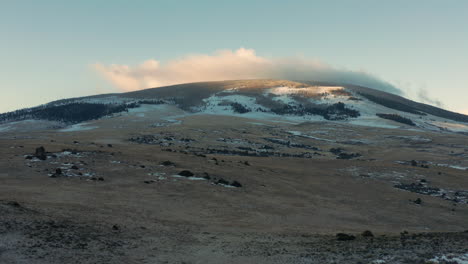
{"x":220,"y":105}
{"x":29,"y":125}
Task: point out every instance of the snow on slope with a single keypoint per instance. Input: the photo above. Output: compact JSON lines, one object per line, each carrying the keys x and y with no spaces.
{"x":224,"y":103}
{"x":78,"y":127}
{"x":220,"y":105}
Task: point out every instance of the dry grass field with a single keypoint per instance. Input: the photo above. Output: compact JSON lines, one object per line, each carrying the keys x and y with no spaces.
{"x":102,"y":195}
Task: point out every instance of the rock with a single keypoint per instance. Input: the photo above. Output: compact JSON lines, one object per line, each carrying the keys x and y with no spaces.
{"x":344,"y":237}
{"x":167,"y":163}
{"x":109,"y":145}
{"x":367,"y":233}
{"x":41,"y":153}
{"x":57,"y":173}
{"x":100,"y":179}
{"x":13,"y":204}
{"x":186,"y":173}
{"x":115,"y":228}
{"x":222,"y":181}
{"x":206,"y":176}
{"x":28,"y":157}
{"x":236,"y":184}
{"x":336,"y":151}
{"x":246,"y":163}
{"x":348,"y":155}
{"x":418,"y":201}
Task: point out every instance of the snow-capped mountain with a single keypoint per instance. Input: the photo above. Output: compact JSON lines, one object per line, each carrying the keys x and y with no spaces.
{"x":257,"y":99}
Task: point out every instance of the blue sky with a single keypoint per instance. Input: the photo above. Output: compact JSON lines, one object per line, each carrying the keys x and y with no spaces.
{"x":47,"y":48}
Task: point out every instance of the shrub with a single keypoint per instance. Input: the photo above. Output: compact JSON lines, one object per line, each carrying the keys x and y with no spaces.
{"x":239,"y":108}
{"x":397,"y":118}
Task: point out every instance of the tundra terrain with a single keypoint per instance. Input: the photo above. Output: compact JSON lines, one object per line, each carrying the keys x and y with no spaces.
{"x":228,"y":179}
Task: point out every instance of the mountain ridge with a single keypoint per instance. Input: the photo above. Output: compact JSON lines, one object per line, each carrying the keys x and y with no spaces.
{"x":299,"y":100}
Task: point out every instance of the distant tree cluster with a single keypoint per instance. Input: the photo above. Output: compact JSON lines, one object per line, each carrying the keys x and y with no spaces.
{"x":337,"y":111}
{"x":392,"y":104}
{"x":153,"y":102}
{"x":73,"y":112}
{"x":68,"y":113}
{"x":239,"y":108}
{"x":397,"y":118}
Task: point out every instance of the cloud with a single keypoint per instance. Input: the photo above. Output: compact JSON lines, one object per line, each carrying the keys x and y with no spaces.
{"x":423,"y":96}
{"x":232,"y":65}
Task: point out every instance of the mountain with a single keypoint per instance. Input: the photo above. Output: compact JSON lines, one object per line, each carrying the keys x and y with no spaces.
{"x":248,"y":171}
{"x":260,"y":99}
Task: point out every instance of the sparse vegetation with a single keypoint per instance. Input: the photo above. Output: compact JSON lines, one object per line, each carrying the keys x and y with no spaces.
{"x":73,"y":112}
{"x":337,"y":111}
{"x":239,"y":108}
{"x":344,"y":237}
{"x":397,"y":118}
{"x":69,"y":113}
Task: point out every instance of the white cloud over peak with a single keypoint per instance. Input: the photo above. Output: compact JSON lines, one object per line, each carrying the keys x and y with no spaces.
{"x":232,"y":65}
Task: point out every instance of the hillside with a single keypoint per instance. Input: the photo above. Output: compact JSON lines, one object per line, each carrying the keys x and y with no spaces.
{"x":298,"y":101}
{"x":257,"y":171}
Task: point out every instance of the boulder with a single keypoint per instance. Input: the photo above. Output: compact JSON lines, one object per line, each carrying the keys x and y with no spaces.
{"x":236,"y":184}
{"x":41,"y":153}
{"x":186,"y":173}
{"x":167,"y":163}
{"x":344,"y":237}
{"x":222,"y":181}
{"x":367,"y":233}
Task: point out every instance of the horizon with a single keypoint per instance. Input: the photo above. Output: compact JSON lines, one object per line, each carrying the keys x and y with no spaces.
{"x":57,"y":51}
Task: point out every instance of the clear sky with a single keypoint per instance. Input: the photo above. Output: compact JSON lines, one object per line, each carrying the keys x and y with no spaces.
{"x":47,"y":48}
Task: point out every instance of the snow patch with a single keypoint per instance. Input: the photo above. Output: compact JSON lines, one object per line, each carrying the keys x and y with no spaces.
{"x":143,"y":108}
{"x":312,"y":89}
{"x":300,"y":134}
{"x":4,"y":128}
{"x":455,"y":127}
{"x":451,"y":258}
{"x":192,"y":178}
{"x":78,"y":127}
{"x":453,"y":166}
